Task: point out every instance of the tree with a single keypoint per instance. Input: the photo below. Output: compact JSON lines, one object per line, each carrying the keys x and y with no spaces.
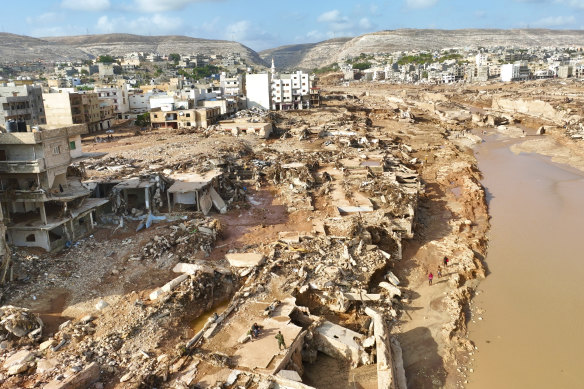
{"x":143,"y":120}
{"x":362,"y":65}
{"x":105,"y":59}
{"x":84,"y":72}
{"x":174,"y":58}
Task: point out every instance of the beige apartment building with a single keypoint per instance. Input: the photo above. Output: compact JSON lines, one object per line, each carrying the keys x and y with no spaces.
{"x":183,"y":118}
{"x":78,"y":108}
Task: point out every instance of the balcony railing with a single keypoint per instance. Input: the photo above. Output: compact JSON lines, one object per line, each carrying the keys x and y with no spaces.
{"x":33,"y":166}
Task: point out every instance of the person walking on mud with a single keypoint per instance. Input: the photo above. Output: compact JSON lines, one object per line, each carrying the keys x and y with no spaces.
{"x":430,"y":278}
{"x":439,"y":272}
{"x":446,"y":261}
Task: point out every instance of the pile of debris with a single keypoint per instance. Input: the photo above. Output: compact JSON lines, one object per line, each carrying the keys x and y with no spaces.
{"x":18,"y":322}
{"x":254,"y":112}
{"x":184,"y":239}
{"x":100,"y":347}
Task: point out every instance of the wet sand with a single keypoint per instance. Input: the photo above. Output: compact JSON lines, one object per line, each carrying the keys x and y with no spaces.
{"x":531,"y":335}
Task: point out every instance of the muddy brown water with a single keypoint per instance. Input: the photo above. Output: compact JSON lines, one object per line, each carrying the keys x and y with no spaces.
{"x":531,"y":335}
{"x":198,"y":323}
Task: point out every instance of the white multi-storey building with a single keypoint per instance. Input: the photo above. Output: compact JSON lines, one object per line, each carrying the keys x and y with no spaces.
{"x":482,"y":59}
{"x":514,"y":72}
{"x":231,"y":86}
{"x":291,"y":91}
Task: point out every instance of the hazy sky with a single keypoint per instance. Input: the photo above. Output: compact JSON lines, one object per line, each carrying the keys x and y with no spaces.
{"x":263,"y":24}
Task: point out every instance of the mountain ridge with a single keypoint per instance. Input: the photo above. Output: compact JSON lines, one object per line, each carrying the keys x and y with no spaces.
{"x":309,"y":56}
{"x":305,"y":56}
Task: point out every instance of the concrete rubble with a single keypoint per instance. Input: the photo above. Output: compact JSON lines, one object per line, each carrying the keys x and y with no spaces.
{"x":303,"y":233}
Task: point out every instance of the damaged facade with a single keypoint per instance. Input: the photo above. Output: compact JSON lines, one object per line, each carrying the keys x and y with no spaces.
{"x":44,"y":203}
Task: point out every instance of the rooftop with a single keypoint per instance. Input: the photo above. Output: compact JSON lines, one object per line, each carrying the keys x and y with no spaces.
{"x":44,"y":132}
{"x":190,"y":182}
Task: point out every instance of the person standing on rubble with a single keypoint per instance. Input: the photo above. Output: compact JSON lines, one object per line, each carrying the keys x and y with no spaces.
{"x":446,"y":261}
{"x":280,"y":339}
{"x":430,"y":278}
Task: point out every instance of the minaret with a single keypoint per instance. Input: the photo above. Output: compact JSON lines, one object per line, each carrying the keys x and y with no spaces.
{"x":273,"y":69}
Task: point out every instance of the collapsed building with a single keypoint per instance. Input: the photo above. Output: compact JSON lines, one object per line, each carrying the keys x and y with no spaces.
{"x":44,"y":202}
{"x":326,"y":285}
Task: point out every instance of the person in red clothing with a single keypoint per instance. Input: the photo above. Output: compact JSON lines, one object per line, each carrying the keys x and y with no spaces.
{"x":430,"y":278}
{"x":445,"y":261}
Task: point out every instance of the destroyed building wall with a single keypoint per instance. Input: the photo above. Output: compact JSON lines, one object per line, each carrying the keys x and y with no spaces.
{"x":43,"y":207}
{"x":21,"y":103}
{"x":55,"y":235}
{"x":29,"y":238}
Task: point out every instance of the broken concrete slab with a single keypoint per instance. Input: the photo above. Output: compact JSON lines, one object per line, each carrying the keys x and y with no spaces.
{"x":199,"y":266}
{"x":218,"y":202}
{"x":290,"y":375}
{"x":81,"y":380}
{"x":18,"y":358}
{"x":17,"y":369}
{"x":392,"y":278}
{"x":46,"y":365}
{"x":393,"y":290}
{"x":244,"y":259}
{"x":168,"y":286}
{"x":289,"y":237}
{"x":385,"y":373}
{"x":340,"y":342}
{"x":362,"y":296}
{"x":205,"y":202}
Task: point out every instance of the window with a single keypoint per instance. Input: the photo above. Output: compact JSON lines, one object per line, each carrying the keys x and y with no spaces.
{"x":188,"y":115}
{"x":72,"y":145}
{"x":31,"y":238}
{"x":56,"y":149}
{"x":156,"y":116}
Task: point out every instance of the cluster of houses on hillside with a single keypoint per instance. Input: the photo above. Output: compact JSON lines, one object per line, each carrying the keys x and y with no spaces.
{"x":466,"y":65}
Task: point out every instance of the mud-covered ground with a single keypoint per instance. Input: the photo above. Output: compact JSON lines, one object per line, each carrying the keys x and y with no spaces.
{"x":417,"y":131}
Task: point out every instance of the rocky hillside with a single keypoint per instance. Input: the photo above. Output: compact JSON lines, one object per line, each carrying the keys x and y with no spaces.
{"x":24,"y":48}
{"x":310,"y":56}
{"x":303,"y":56}
{"x":119,"y":44}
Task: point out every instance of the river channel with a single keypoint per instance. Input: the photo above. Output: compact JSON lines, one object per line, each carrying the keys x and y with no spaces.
{"x":532,"y":330}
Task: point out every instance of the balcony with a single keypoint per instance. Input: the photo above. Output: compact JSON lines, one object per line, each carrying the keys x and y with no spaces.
{"x":22,"y":167}
{"x":23,"y":195}
{"x":20,"y":138}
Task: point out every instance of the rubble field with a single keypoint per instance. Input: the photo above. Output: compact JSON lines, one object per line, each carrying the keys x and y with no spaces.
{"x":325,"y":232}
